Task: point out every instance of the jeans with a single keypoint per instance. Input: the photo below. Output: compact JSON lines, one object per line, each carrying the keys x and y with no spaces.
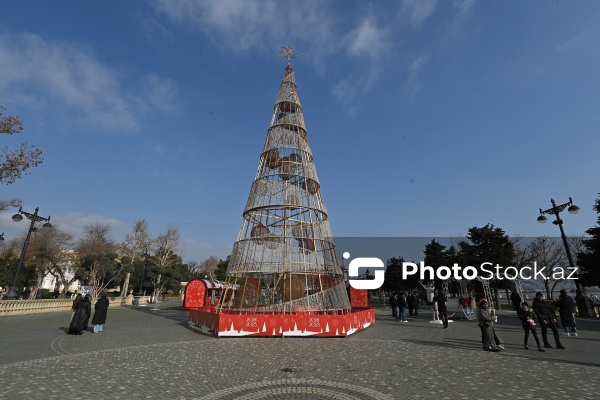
{"x":402,"y":313}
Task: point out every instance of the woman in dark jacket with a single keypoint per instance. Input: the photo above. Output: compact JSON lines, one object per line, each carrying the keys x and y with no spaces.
{"x":101,"y":309}
{"x":528,"y":321}
{"x":566,"y":306}
{"x":74,"y":306}
{"x":79,"y":322}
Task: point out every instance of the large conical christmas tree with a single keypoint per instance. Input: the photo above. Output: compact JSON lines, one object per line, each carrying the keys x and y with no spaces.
{"x":284,"y":260}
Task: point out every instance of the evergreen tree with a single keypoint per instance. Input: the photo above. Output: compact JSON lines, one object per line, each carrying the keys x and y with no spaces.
{"x":589,"y":261}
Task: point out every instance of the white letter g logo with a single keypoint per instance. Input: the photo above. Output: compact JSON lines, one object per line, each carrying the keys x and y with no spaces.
{"x":366,"y":262}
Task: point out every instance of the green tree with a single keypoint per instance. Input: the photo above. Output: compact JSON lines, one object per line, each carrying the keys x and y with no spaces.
{"x":16,"y":162}
{"x":436,"y":256}
{"x":589,"y":259}
{"x":488,"y":244}
{"x":221,"y":270}
{"x":393,"y":276}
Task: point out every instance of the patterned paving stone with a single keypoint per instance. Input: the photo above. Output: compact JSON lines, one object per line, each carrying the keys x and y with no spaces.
{"x":144,"y":354}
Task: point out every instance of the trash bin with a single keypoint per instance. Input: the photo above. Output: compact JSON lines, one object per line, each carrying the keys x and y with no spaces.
{"x":136,"y":301}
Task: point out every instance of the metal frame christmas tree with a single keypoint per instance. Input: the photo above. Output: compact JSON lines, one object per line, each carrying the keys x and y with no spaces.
{"x":284,"y":261}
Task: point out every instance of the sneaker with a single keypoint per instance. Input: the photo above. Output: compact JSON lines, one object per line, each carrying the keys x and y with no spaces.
{"x":566,"y":334}
{"x":540,"y":349}
{"x":404,"y":320}
{"x":501,"y":347}
{"x":526,"y":347}
{"x":548,"y":346}
{"x":560,"y":346}
{"x":574,"y":333}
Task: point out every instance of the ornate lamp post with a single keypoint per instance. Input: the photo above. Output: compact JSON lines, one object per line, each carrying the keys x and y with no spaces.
{"x":555,"y":210}
{"x":143,"y":273}
{"x":12,"y":293}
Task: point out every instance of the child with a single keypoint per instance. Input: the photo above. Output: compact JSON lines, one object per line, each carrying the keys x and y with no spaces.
{"x":528,"y":321}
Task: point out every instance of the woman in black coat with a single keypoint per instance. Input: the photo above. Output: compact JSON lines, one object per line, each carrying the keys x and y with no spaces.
{"x":528,"y":322}
{"x":100,"y":313}
{"x":566,"y":306}
{"x":79,"y":322}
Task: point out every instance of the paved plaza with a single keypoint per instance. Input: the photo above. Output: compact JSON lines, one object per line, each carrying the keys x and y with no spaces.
{"x":154,"y":354}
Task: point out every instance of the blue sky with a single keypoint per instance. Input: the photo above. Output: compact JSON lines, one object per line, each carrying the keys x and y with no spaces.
{"x":425,"y":117}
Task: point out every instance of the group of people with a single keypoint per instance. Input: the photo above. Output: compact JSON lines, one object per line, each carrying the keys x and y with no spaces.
{"x":401,"y":302}
{"x":540,"y":314}
{"x":81,"y":312}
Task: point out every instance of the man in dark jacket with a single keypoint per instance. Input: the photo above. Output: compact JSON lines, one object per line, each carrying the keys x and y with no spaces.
{"x":440,"y":298}
{"x":515,"y":299}
{"x":547,"y":319}
{"x":101,"y":309}
{"x":394,"y":305}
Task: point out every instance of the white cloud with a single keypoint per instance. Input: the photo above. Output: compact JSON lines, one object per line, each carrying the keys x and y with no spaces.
{"x":463,"y":6}
{"x":239,"y":25}
{"x":160,"y":93}
{"x":369,"y":39}
{"x":418,"y":10}
{"x":414,"y":69}
{"x":69,"y":77}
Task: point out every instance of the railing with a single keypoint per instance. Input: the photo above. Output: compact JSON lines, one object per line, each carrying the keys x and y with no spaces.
{"x":20,"y":307}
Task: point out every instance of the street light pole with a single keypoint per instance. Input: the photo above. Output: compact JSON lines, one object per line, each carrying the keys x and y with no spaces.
{"x":573,"y":209}
{"x":143,"y":273}
{"x":12,"y":294}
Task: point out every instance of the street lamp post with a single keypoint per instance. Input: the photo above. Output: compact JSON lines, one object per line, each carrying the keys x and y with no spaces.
{"x":143,"y":273}
{"x":573,"y":209}
{"x":12,"y":294}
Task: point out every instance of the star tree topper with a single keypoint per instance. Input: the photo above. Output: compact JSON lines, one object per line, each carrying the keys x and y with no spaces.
{"x":288,"y":52}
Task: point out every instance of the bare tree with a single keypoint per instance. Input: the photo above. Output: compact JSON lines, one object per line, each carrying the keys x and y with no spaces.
{"x":193,"y":269}
{"x":138,"y":243}
{"x":165,"y":248}
{"x":5,"y":204}
{"x":548,"y":253}
{"x":15,"y":162}
{"x":98,"y":258}
{"x":209,"y":265}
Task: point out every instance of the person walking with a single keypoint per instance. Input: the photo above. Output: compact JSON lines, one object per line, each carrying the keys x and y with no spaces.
{"x":516,"y":300}
{"x":79,"y":322}
{"x":440,"y":298}
{"x":415,"y":303}
{"x":547,"y":319}
{"x":394,"y":305}
{"x":566,"y":310}
{"x":402,"y":304}
{"x":78,"y":298}
{"x":100,"y":312}
{"x":528,"y":321}
{"x":409,"y":303}
{"x":486,"y":322}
